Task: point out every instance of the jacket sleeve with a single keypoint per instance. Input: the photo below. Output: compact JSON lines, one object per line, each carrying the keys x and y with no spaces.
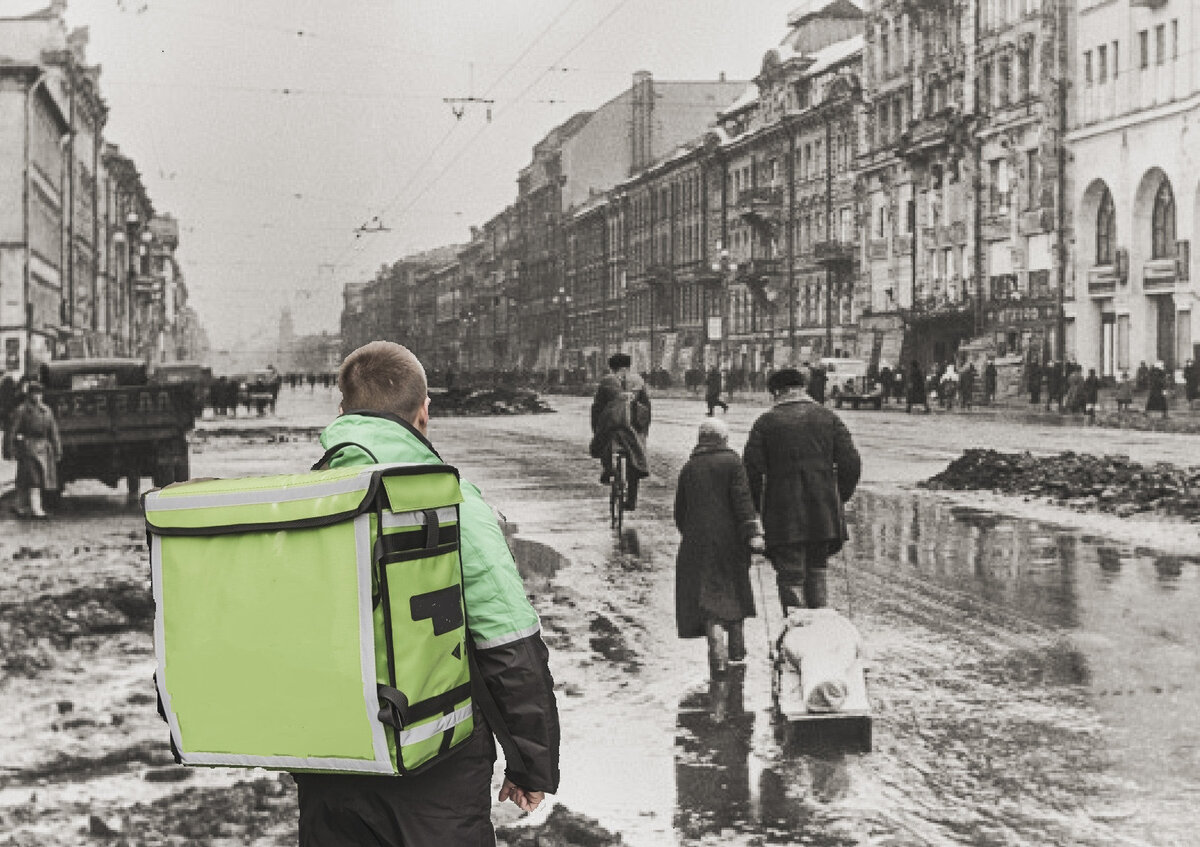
{"x":680,"y":501}
{"x":743,"y":504}
{"x":512,"y":658}
{"x":755,"y":462}
{"x":845,"y":455}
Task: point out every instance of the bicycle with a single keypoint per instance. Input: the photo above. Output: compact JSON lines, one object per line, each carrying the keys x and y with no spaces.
{"x":618,"y":488}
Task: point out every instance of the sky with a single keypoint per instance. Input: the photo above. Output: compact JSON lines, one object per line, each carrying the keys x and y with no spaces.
{"x":273,"y":129}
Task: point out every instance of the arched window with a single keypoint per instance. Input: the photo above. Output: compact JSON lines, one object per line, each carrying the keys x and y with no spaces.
{"x":1106,"y":230}
{"x":1164,"y":222}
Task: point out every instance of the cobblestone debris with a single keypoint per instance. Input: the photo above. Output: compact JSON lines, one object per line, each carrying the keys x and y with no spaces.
{"x":492,"y":401}
{"x":1081,"y":481}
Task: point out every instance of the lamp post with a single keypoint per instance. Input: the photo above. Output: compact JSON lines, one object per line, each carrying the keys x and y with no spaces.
{"x":562,"y":299}
{"x":723,"y":269}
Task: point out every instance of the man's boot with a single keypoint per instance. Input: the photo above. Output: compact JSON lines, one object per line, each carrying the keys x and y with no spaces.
{"x":718,"y":654}
{"x":35,"y":503}
{"x":737,"y":642}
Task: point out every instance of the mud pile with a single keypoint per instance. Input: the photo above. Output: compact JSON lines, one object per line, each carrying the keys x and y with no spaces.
{"x":502,"y":400}
{"x":1081,"y":481}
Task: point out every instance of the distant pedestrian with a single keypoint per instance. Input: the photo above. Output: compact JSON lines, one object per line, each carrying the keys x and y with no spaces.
{"x":916,"y":394}
{"x":1124,"y":393}
{"x":989,"y":382}
{"x":1033,"y":381}
{"x":1091,"y":393}
{"x":712,"y":391}
{"x":1142,"y":379}
{"x":1075,"y":401}
{"x":312,"y":381}
{"x":898,"y":384}
{"x":1156,"y":382}
{"x":816,"y":384}
{"x":966,"y":386}
{"x":948,"y":387}
{"x":1054,"y":384}
{"x":32,"y":439}
{"x":719,"y":529}
{"x":1191,"y":382}
{"x":802,"y":466}
{"x":885,"y":381}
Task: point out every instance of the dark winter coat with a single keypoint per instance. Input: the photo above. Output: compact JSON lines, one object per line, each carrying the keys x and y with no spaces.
{"x":621,"y":413}
{"x":811,"y":468}
{"x":916,"y":386}
{"x":715,"y":517}
{"x":1156,"y":401}
{"x":712,"y":385}
{"x":816,"y":384}
{"x":32,"y":439}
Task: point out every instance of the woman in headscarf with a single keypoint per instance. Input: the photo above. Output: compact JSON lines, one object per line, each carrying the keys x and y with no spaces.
{"x":719,"y":526}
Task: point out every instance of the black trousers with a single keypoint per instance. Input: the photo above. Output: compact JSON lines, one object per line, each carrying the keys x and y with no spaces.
{"x":449,"y":805}
{"x":800,"y":571}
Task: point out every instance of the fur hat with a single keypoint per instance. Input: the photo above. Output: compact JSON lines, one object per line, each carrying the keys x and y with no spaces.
{"x":786,"y":378}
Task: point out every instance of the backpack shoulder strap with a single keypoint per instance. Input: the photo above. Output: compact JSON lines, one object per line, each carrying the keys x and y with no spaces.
{"x":323,"y":462}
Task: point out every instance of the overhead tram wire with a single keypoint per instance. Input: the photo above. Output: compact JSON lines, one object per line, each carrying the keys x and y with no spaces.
{"x":497,"y":115}
{"x":416,"y":172}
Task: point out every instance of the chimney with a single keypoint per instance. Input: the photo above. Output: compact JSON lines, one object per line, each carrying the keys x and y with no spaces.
{"x":641,"y":124}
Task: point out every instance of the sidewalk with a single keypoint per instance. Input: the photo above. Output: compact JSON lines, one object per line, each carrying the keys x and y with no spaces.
{"x":1180,"y":418}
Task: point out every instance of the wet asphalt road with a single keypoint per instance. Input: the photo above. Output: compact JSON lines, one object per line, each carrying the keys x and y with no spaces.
{"x":1033,"y":684}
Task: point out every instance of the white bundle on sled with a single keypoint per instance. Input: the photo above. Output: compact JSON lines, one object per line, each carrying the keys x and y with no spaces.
{"x":819,"y":668}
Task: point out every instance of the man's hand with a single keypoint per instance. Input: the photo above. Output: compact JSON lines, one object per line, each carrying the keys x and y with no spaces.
{"x":527,"y":800}
{"x":758,"y":544}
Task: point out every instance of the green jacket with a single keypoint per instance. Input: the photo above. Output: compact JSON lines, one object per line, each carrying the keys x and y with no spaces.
{"x":511,"y":655}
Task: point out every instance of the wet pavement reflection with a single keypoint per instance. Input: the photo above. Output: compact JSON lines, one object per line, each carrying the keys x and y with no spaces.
{"x":1031,"y":684}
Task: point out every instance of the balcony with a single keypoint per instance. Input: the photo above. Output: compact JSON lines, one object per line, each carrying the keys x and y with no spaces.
{"x":1159,"y":275}
{"x":1037,"y":220}
{"x":759,"y":268}
{"x":877,"y":248}
{"x":1102,"y":281}
{"x":761,"y":206}
{"x":834,"y":252}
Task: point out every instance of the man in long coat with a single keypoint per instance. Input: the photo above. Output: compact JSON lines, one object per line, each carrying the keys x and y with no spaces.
{"x":32,"y":439}
{"x":719,"y":528}
{"x":916,"y":395}
{"x":621,"y":418}
{"x":811,"y":469}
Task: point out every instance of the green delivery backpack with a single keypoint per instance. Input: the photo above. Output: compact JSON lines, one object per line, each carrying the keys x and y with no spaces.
{"x":314,"y":621}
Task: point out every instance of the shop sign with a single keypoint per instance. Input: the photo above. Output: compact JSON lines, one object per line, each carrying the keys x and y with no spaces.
{"x":1021,"y":313}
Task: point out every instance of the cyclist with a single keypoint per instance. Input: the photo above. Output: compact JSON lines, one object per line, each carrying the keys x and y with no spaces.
{"x":621,"y":419}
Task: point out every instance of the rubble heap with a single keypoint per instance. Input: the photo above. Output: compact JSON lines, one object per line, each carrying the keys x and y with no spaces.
{"x":502,"y":400}
{"x":1078,"y":480}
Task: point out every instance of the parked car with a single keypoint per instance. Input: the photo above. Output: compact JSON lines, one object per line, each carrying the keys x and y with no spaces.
{"x":848,"y":383}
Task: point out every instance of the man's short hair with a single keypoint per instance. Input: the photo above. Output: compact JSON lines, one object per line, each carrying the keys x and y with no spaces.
{"x":619,"y":360}
{"x":383,"y":376}
{"x":784,"y":379}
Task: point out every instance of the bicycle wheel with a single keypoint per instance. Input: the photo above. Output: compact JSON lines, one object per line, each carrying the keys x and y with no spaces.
{"x":616,"y":495}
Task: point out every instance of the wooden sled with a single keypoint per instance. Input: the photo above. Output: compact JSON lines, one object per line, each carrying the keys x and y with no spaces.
{"x":846,"y":726}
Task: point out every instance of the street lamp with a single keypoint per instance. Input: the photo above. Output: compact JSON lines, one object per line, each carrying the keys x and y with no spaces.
{"x":723,"y":269}
{"x":562,"y":299}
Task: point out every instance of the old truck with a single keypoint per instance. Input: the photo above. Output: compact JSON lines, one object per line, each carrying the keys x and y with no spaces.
{"x":116,"y":424}
{"x":850,"y":384}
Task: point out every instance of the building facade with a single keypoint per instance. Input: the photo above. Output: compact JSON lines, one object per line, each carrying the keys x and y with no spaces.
{"x":86,"y":266}
{"x":1136,"y":185}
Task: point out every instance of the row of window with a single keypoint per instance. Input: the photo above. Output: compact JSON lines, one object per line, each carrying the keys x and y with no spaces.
{"x":1103,"y":62}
